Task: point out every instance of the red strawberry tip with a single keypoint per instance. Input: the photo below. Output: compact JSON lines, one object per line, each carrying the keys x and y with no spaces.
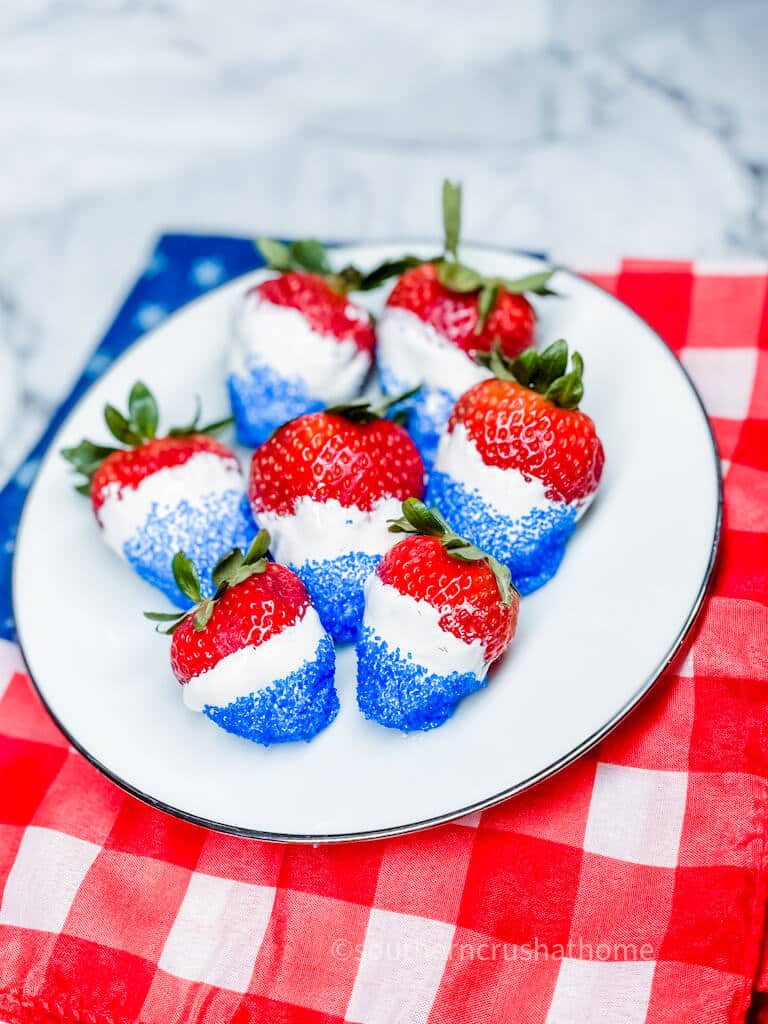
{"x":232,"y":568}
{"x":132,"y":431}
{"x":544,"y":372}
{"x":418,"y":519}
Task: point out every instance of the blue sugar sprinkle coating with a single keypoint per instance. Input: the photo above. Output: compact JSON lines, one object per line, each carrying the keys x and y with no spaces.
{"x":204,"y":531}
{"x":532,"y":545}
{"x":336,"y":588}
{"x":262,"y":400}
{"x":398,"y":692}
{"x":428,"y":414}
{"x":294,"y":708}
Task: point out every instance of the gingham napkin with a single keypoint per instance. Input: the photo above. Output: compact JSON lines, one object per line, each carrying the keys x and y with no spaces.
{"x":629,"y":888}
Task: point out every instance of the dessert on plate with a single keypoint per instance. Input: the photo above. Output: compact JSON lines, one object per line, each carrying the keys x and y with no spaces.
{"x":325,"y":485}
{"x":299,"y":342}
{"x":438,"y":613}
{"x":439,"y":313}
{"x":157,"y":495}
{"x":254,"y":657}
{"x":519,"y":463}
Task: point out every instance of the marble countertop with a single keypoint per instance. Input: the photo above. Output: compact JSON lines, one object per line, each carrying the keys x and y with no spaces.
{"x":583,"y":129}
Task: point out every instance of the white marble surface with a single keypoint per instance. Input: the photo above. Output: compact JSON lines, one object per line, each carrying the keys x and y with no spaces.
{"x":588,"y":129}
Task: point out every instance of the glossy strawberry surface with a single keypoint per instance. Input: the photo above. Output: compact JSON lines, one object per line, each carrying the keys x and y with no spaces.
{"x":128,"y":467}
{"x":247,"y":615}
{"x":324,"y":456}
{"x":327,"y":311}
{"x":465,"y":593}
{"x":455,"y":315}
{"x":516,"y":428}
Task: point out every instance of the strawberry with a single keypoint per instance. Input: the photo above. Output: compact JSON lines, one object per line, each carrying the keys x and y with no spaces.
{"x":299,"y":343}
{"x":325,"y":485}
{"x":159,"y":494}
{"x":252,"y":657}
{"x":520,"y":463}
{"x":438,"y":612}
{"x":439,"y":314}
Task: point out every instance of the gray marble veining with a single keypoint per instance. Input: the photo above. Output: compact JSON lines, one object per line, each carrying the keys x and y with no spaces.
{"x":585,"y":129}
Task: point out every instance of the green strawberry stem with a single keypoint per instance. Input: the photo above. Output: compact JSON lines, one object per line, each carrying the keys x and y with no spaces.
{"x":451,"y":218}
{"x":132,"y":431}
{"x":231,"y":569}
{"x":365,"y":410}
{"x":428,"y":522}
{"x":452,"y":274}
{"x":544,"y":372}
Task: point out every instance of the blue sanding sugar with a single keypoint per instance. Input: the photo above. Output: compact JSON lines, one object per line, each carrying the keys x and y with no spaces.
{"x":532,"y":545}
{"x":262,"y":400}
{"x":336,"y":588}
{"x":396,"y":691}
{"x":204,"y":532}
{"x":428,"y":413}
{"x":294,"y":708}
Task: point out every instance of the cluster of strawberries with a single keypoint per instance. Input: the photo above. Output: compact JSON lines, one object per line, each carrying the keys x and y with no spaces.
{"x":473,"y":420}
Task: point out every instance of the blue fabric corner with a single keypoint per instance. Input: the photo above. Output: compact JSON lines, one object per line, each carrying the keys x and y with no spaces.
{"x":181,"y":268}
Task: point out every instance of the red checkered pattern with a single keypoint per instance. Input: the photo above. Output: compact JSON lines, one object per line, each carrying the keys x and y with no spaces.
{"x":630,"y":888}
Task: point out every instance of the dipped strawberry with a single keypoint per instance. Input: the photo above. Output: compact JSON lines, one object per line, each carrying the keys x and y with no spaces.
{"x":299,"y":342}
{"x":438,"y":315}
{"x":325,"y":485}
{"x":254,"y":657}
{"x":520,"y":463}
{"x":438,"y":612}
{"x":158,"y":495}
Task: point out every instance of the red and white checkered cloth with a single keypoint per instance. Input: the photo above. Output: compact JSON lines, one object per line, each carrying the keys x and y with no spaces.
{"x":629,"y":888}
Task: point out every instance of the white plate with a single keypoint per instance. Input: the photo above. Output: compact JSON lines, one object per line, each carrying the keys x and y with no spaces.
{"x":589,"y":644}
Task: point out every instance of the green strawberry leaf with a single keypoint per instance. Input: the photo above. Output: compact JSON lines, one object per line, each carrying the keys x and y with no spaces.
{"x":226,"y":567}
{"x":389,"y":268}
{"x":175,"y":618}
{"x":503,"y":580}
{"x":185,"y":575}
{"x":310,"y":255}
{"x":458,"y":278}
{"x":526,"y":366}
{"x":552,"y":364}
{"x":366,"y":410}
{"x":259,"y":547}
{"x":87,"y":457}
{"x":417,"y":518}
{"x":535,"y":283}
{"x":276,"y":255}
{"x":485,"y":303}
{"x":143,"y":412}
{"x":120,"y":427}
{"x":566,"y":392}
{"x":203,"y":614}
{"x":452,"y":217}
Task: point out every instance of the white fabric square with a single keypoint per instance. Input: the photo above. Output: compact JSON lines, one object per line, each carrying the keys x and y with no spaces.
{"x":598,"y":992}
{"x":724,"y":377}
{"x":49,"y":869}
{"x":218,"y":932}
{"x":636,"y":815}
{"x":400,"y":969}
